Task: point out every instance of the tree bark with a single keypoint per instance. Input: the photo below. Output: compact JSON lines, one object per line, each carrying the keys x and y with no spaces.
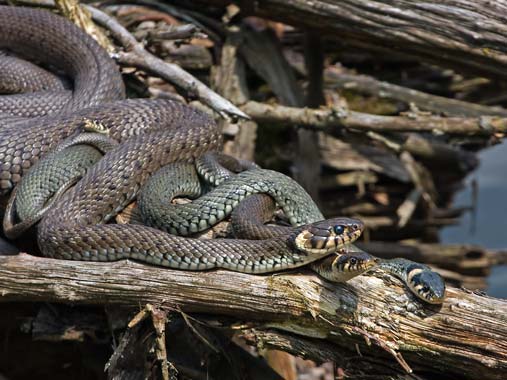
{"x":467,"y":35}
{"x":465,"y":336}
{"x":323,"y":118}
{"x":428,"y":102}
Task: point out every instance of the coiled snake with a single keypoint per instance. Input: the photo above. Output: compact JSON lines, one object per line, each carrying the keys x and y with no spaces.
{"x":251,"y":197}
{"x":152,"y":133}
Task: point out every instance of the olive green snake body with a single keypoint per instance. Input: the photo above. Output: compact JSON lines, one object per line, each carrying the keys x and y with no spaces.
{"x":60,"y":169}
{"x":248,"y":221}
{"x":251,"y":197}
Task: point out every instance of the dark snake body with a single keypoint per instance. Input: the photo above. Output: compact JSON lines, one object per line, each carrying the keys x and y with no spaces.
{"x":54,"y":42}
{"x":44,"y":37}
{"x":152,"y":134}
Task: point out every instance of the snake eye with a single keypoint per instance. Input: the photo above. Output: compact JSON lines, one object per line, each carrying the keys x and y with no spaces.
{"x":353,"y":261}
{"x":339,"y":229}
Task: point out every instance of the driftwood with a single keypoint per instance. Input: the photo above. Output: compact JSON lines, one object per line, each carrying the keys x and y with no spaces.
{"x":467,"y":331}
{"x":465,"y":34}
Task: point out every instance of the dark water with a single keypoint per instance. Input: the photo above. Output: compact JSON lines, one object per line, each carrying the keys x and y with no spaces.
{"x":490,"y":228}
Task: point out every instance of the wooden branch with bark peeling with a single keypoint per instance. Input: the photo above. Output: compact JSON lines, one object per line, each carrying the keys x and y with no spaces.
{"x":433,"y":103}
{"x":467,"y":331}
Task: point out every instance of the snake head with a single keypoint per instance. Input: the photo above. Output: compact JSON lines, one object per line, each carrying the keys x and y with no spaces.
{"x":341,"y":267}
{"x":328,"y":236}
{"x":428,"y":285}
{"x":94,"y":126}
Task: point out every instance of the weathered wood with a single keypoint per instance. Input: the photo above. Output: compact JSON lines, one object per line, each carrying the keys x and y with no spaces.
{"x":321,"y":119}
{"x":465,"y":336}
{"x":468,"y":35}
{"x":438,"y":104}
{"x":342,"y":155}
{"x":229,"y":80}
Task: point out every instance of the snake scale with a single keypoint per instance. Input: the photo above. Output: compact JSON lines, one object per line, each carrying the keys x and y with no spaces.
{"x":152,"y":133}
{"x":248,"y":222}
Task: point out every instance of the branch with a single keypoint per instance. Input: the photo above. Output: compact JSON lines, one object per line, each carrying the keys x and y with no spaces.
{"x":467,"y":332}
{"x":177,"y":32}
{"x":466,"y":34}
{"x":135,"y":55}
{"x":438,"y":104}
{"x":323,"y":118}
{"x":325,"y":352}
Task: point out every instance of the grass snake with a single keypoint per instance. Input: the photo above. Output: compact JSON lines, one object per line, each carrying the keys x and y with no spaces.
{"x":250,"y":197}
{"x":151,"y":134}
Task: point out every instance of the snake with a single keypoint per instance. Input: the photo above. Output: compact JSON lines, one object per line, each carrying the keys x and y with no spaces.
{"x":51,"y":176}
{"x":249,"y":218}
{"x":251,"y":197}
{"x":61,"y":169}
{"x":151,"y":134}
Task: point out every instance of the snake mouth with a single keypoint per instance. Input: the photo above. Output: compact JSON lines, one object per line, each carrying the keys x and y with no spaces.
{"x":328,"y":236}
{"x":427,"y":285}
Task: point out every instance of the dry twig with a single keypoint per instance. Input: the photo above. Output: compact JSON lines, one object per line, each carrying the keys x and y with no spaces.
{"x":135,"y":55}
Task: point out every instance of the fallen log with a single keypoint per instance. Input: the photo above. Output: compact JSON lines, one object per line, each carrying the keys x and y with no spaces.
{"x":467,"y":35}
{"x":465,"y":336}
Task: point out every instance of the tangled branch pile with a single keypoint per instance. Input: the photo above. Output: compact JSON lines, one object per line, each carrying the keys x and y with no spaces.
{"x":378,"y":110}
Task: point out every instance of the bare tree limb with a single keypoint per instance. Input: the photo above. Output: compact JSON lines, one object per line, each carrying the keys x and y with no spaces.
{"x":325,"y":352}
{"x":465,"y":336}
{"x":438,"y":104}
{"x":178,"y":32}
{"x":135,"y":55}
{"x":339,"y":118}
